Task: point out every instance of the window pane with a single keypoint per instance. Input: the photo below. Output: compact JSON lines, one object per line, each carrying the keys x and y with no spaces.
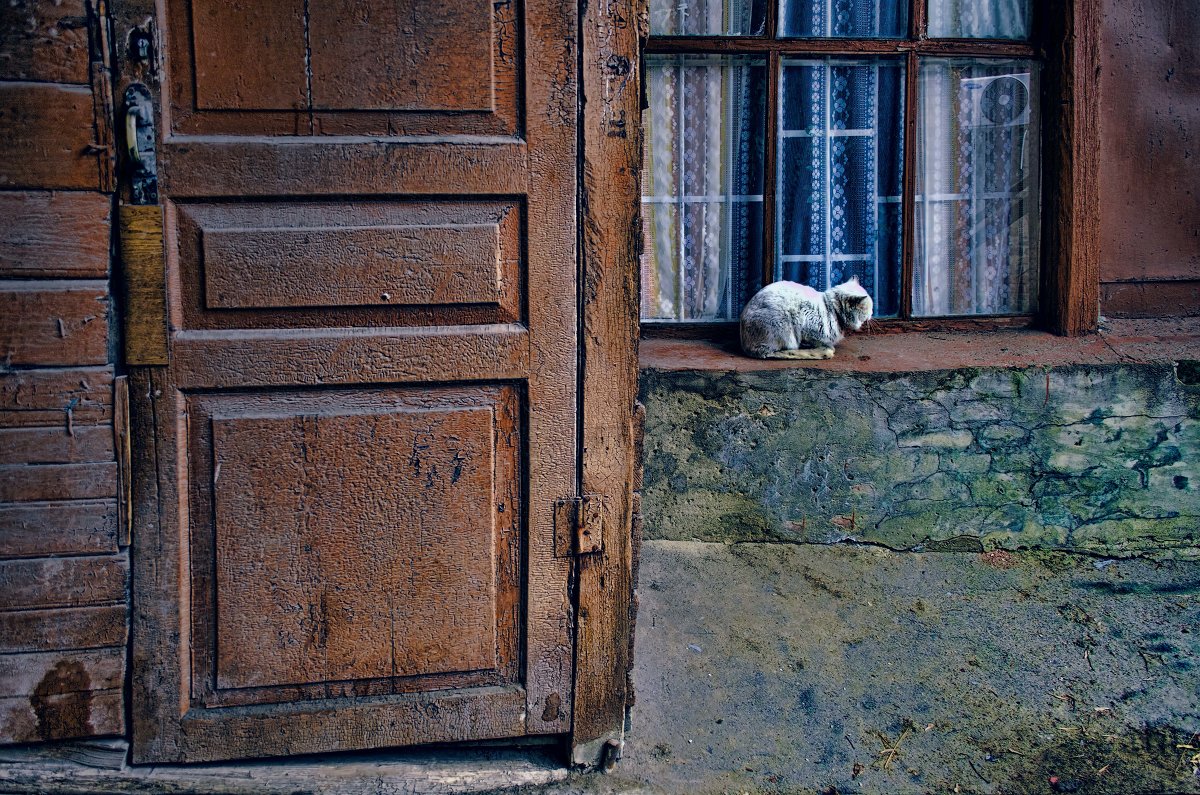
{"x":979,"y":19}
{"x":702,"y":186}
{"x":978,"y":188}
{"x":859,"y":19}
{"x":840,"y":175}
{"x":708,"y":17}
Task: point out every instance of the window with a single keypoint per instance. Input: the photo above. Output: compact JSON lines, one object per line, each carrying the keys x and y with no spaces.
{"x":815,"y":140}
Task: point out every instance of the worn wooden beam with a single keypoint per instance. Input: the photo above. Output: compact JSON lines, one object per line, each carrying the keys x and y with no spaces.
{"x":88,"y":444}
{"x":1070,"y":301}
{"x":41,"y":482}
{"x":49,"y":137}
{"x":54,"y":323}
{"x":64,"y":398}
{"x":44,"y":41}
{"x":49,"y":235}
{"x":32,"y":529}
{"x":63,"y":628}
{"x":141,"y":235}
{"x":611,"y":241}
{"x":63,"y":582}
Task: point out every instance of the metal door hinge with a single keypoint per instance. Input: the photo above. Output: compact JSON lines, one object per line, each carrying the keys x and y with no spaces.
{"x":579,"y":525}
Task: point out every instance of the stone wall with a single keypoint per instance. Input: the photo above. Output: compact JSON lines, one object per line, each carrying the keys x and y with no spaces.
{"x":1102,"y":459}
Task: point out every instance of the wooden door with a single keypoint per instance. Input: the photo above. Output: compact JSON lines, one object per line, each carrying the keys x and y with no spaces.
{"x":345,"y":473}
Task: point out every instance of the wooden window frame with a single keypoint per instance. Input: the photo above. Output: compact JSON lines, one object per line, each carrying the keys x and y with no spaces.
{"x":1065,"y":40}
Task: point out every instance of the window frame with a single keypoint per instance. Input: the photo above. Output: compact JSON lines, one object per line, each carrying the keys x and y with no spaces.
{"x":1064,"y":39}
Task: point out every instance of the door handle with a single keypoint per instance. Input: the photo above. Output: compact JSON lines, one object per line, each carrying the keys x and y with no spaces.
{"x":140,"y":144}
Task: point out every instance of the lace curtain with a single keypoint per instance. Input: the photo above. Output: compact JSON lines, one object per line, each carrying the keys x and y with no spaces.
{"x":839,"y":178}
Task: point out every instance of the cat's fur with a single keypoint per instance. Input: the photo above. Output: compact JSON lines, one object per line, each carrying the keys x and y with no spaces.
{"x":786,"y":320}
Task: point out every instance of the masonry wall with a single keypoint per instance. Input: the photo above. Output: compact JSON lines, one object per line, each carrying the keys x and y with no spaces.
{"x":63,"y":579}
{"x":1150,"y":158}
{"x":1102,"y":459}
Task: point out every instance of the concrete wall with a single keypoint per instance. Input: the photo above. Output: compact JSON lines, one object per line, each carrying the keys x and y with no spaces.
{"x":1150,"y":158}
{"x":1099,"y":458}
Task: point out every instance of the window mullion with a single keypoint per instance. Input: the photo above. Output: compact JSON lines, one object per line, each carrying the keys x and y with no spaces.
{"x":908,"y":202}
{"x":771,"y":165}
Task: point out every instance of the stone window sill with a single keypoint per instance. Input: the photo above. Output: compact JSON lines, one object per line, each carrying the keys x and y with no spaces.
{"x":1145,"y":341}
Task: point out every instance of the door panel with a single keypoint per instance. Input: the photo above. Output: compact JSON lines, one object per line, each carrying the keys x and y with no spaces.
{"x":345,"y":521}
{"x":401,"y":67}
{"x":350,"y":263}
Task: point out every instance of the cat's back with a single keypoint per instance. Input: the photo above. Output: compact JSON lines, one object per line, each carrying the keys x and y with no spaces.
{"x":784,"y":295}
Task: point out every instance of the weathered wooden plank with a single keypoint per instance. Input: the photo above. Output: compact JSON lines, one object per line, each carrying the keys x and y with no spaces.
{"x":58,"y":528}
{"x":86,"y":444}
{"x":1071,"y":207}
{"x":48,"y":235}
{"x":145,"y":284}
{"x":612,"y":156}
{"x":64,"y":708}
{"x":65,"y":628}
{"x":45,"y":482}
{"x":44,"y":41}
{"x":54,"y":323}
{"x":20,"y":674}
{"x":66,"y":398}
{"x":49,"y":137}
{"x":63,"y":582}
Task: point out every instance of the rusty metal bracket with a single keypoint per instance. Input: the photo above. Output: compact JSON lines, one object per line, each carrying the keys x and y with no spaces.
{"x":579,"y":525}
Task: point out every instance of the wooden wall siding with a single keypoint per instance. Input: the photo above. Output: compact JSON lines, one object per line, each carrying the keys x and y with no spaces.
{"x":1150,"y":111}
{"x":63,"y":580}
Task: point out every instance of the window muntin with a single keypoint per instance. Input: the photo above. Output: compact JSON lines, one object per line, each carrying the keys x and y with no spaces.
{"x":841,"y":193}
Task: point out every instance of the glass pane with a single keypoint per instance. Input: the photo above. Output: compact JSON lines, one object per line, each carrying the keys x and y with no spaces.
{"x":702,"y":186}
{"x":860,"y":19}
{"x":840,"y":175}
{"x":978,"y":188}
{"x":979,"y":19}
{"x":708,"y":17}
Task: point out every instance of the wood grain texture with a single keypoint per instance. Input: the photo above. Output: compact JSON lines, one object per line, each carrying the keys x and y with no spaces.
{"x":141,"y":236}
{"x":44,"y":41}
{"x":364,"y":55}
{"x":311,"y":264}
{"x":47,"y":235}
{"x":225,"y":32}
{"x":63,"y":629}
{"x":58,"y":528}
{"x":87,"y":444}
{"x":38,"y":482}
{"x":21,"y":673}
{"x":1070,"y":301}
{"x":63,"y":398}
{"x":64,"y":707}
{"x":49,"y":135}
{"x":63,"y":582}
{"x":54,"y":323}
{"x":612,"y":157}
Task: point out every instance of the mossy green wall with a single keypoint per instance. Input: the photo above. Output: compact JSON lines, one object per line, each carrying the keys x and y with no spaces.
{"x":1103,"y":459}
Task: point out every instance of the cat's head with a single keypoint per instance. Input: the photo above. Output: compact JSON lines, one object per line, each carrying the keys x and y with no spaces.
{"x":852,"y":304}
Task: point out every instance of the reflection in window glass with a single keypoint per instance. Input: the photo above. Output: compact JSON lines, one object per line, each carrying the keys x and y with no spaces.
{"x":977,"y":182}
{"x":860,"y":19}
{"x":840,"y":175}
{"x":708,"y":17}
{"x":979,"y":19}
{"x":702,"y":186}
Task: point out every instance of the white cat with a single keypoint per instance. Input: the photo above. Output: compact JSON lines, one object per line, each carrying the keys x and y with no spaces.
{"x":786,"y":320}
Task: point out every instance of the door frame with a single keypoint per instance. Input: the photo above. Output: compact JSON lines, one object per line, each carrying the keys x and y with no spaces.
{"x":611,"y":33}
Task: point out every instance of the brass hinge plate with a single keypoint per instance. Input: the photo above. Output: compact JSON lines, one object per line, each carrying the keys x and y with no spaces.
{"x":579,"y":525}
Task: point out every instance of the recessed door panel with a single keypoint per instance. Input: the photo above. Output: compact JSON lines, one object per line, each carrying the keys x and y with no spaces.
{"x":363,"y":542}
{"x":350,"y":263}
{"x":409,"y":55}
